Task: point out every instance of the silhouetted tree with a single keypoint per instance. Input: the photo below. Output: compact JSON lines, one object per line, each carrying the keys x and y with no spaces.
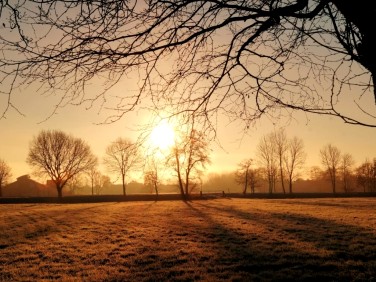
{"x":245,"y":58}
{"x":102,"y":182}
{"x":246,"y":176}
{"x":94,"y":176}
{"x":266,"y":152}
{"x":347,"y":162}
{"x":280,"y":141}
{"x":59,"y":156}
{"x":189,"y":154}
{"x":5,"y":175}
{"x":151,"y":180}
{"x":155,"y":161}
{"x":330,"y":158}
{"x":366,"y":175}
{"x":294,"y":159}
{"x":122,"y":155}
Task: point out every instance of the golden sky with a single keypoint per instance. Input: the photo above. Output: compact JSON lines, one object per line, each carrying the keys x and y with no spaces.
{"x":316,"y":131}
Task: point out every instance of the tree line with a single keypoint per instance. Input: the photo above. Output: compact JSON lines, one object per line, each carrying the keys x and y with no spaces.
{"x":281,"y":159}
{"x":278,"y":160}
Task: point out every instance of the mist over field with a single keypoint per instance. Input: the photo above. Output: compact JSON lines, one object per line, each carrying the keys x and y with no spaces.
{"x":228,"y":239}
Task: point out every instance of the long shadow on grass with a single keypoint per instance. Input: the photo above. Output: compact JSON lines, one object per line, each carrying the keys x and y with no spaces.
{"x":301,"y":247}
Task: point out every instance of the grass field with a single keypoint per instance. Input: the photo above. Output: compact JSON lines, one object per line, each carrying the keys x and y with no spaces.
{"x":202,"y":240}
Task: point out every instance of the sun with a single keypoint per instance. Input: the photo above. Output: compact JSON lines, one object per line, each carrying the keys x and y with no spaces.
{"x":162,"y":136}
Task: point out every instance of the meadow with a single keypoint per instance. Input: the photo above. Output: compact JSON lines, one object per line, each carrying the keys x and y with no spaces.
{"x":225,"y":239}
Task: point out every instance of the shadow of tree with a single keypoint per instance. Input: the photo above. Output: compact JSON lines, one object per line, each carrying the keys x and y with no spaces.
{"x":288,"y":246}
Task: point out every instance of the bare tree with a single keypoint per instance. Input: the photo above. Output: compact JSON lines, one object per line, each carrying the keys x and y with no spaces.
{"x":366,"y":175}
{"x":188,"y":156}
{"x":94,"y":178}
{"x":101,"y":183}
{"x":155,"y":160}
{"x":122,"y":155}
{"x":281,"y":145}
{"x":347,"y":162}
{"x":151,"y":179}
{"x":266,"y":152}
{"x":5,"y":175}
{"x":294,"y":159}
{"x":246,"y":176}
{"x":330,"y":158}
{"x":76,"y":184}
{"x":245,"y":58}
{"x":59,"y":156}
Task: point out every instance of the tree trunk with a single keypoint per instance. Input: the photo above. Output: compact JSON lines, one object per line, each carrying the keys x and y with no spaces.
{"x":281,"y":175}
{"x":334,"y":183}
{"x":124,"y":186}
{"x":179,"y":176}
{"x":59,"y":192}
{"x":156,"y":189}
{"x":290,"y":183}
{"x":186,"y":184}
{"x":245,"y":182}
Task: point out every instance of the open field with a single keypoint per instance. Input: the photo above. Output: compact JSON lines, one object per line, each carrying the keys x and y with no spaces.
{"x":225,"y":239}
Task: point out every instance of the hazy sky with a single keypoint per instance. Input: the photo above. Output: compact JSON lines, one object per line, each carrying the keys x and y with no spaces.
{"x":316,"y":131}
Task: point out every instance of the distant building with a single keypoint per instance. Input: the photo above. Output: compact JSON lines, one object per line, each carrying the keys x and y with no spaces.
{"x":24,"y":186}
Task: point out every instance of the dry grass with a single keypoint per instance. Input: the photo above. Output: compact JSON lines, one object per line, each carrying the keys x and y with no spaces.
{"x":214,"y":240}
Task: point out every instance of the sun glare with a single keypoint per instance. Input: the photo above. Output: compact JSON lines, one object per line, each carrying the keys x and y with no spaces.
{"x":162,"y":135}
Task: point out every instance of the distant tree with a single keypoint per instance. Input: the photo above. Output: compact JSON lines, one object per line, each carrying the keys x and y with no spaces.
{"x":94,"y":176}
{"x":246,"y":176}
{"x":5,"y":175}
{"x":188,"y":156}
{"x":101,"y":183}
{"x":266,"y":152}
{"x":294,"y":158}
{"x":154,"y":165}
{"x":151,"y":180}
{"x":331,"y":158}
{"x":59,"y":156}
{"x":76,"y":184}
{"x":121,"y":157}
{"x":366,"y":175}
{"x":316,"y":173}
{"x":347,"y":162}
{"x":280,"y":141}
{"x":216,"y":182}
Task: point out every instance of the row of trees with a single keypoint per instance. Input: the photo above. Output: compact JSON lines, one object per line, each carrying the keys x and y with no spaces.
{"x":279,"y":158}
{"x":63,"y":158}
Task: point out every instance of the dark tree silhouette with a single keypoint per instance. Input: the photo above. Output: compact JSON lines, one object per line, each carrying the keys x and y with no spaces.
{"x":280,"y":141}
{"x":5,"y":175}
{"x":294,"y":159}
{"x":60,"y":156}
{"x":331,"y":158}
{"x":267,"y":156}
{"x":122,"y":155}
{"x":366,"y":175}
{"x":347,"y":162}
{"x":188,"y":156}
{"x":246,"y":59}
{"x":246,"y":176}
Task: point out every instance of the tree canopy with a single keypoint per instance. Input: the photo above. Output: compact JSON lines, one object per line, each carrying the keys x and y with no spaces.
{"x":245,"y":59}
{"x":60,"y":156}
